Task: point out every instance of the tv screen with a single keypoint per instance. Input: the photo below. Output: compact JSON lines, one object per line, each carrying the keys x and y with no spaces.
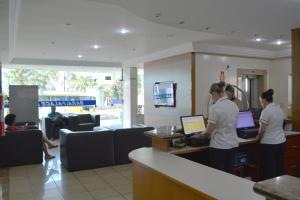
{"x":164,"y":94}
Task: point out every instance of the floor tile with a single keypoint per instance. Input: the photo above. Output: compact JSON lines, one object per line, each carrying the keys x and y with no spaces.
{"x":79,"y":196}
{"x":72,"y":189}
{"x":104,"y":193}
{"x":124,"y":189}
{"x":129,"y":196}
{"x":118,"y":181}
{"x":84,"y":173}
{"x":115,"y":198}
{"x":105,"y":170}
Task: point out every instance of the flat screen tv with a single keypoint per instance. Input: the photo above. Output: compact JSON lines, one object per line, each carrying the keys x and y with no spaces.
{"x":164,"y":94}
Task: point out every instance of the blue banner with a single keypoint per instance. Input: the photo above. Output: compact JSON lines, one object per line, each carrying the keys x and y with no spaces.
{"x":64,"y":103}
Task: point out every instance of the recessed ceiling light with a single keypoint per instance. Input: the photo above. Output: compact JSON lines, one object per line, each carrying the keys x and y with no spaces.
{"x":96,"y":46}
{"x":279,"y":42}
{"x":258,"y":39}
{"x":79,"y":56}
{"x":124,"y":31}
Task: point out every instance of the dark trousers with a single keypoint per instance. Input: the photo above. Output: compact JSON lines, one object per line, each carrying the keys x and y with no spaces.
{"x":273,"y":159}
{"x":222,"y":159}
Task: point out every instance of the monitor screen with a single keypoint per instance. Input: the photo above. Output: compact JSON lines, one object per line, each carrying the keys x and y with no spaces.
{"x":245,"y":120}
{"x":193,"y":124}
{"x":164,"y":94}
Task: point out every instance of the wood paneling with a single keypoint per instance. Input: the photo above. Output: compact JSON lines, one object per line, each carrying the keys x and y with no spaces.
{"x":296,"y":78}
{"x":161,"y":144}
{"x":193,"y":78}
{"x":152,"y":185}
{"x":292,"y":156}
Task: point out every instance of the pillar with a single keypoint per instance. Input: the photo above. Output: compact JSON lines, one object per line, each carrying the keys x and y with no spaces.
{"x":296,"y":79}
{"x":130,"y":95}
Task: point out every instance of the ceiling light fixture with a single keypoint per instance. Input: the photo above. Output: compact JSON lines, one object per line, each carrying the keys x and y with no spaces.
{"x":79,"y":56}
{"x":68,"y":24}
{"x":279,"y":42}
{"x":182,"y":22}
{"x":96,"y":46}
{"x":258,"y":39}
{"x":124,"y":31}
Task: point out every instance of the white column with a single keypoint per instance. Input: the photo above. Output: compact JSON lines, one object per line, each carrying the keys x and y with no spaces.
{"x":130,"y":95}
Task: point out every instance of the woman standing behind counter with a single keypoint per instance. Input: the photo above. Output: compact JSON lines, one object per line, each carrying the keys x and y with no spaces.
{"x":271,"y":136}
{"x":221,"y":129}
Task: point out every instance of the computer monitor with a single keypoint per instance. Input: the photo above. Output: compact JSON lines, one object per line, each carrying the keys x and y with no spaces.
{"x":192,"y":124}
{"x":245,"y":120}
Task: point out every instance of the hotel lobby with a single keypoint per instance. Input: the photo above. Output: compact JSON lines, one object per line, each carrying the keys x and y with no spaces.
{"x":149,"y":99}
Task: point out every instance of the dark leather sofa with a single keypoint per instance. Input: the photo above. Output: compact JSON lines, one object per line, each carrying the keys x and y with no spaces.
{"x":21,"y":148}
{"x":83,"y":122}
{"x":74,"y":122}
{"x":93,"y":149}
{"x":126,"y":140}
{"x":86,"y":150}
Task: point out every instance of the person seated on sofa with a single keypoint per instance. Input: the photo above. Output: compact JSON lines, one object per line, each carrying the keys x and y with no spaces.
{"x":10,"y":123}
{"x":56,"y":117}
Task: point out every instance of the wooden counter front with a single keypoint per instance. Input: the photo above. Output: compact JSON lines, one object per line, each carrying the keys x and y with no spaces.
{"x":160,"y":175}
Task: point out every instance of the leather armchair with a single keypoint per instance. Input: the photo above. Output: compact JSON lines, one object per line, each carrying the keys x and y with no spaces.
{"x":21,"y":148}
{"x":83,"y":122}
{"x":86,"y":149}
{"x":51,"y":130}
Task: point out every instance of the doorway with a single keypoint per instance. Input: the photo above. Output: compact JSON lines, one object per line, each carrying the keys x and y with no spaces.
{"x":253,"y":82}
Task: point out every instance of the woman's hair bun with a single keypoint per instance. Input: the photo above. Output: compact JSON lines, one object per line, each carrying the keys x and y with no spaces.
{"x":268,"y":95}
{"x":270,"y":91}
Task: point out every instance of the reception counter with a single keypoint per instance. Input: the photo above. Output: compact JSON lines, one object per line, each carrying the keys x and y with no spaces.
{"x":159,"y":174}
{"x":162,"y":175}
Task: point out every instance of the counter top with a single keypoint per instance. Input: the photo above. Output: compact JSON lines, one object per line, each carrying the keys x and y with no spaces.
{"x":197,"y":176}
{"x":279,"y":188}
{"x":188,"y":149}
{"x":166,"y":132}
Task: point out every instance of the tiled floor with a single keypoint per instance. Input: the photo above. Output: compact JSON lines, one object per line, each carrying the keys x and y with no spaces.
{"x":50,"y":181}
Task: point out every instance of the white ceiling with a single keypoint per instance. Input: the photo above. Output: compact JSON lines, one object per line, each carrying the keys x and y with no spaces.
{"x":42,"y":33}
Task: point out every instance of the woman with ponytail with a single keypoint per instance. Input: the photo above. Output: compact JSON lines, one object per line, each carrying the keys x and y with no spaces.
{"x":271,"y":136}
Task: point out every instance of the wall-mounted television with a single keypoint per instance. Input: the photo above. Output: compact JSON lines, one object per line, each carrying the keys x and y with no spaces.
{"x":164,"y":94}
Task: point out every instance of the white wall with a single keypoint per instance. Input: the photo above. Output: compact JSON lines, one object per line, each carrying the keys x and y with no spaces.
{"x":178,"y":69}
{"x":208,"y":69}
{"x":278,"y":80}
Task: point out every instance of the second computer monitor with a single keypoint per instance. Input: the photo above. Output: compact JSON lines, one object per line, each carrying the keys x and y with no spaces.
{"x":245,"y":120}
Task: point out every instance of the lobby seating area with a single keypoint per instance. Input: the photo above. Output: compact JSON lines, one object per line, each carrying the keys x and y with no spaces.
{"x":50,"y":181}
{"x":92,"y":149}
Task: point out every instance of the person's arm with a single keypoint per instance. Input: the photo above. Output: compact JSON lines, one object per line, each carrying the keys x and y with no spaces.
{"x":210,"y":128}
{"x":212,"y":120}
{"x":263,"y":122}
{"x":261,"y":131}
